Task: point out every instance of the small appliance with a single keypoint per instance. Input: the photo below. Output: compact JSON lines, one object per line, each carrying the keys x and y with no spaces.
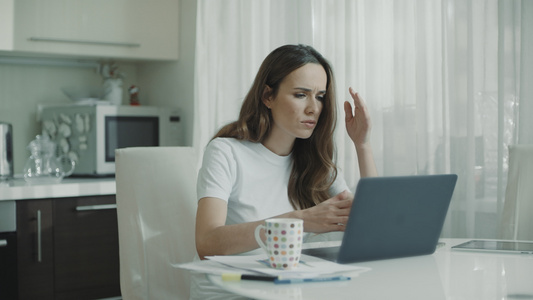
{"x":88,"y":134}
{"x":6,"y":151}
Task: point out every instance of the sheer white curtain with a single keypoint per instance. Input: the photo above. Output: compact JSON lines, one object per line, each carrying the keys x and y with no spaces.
{"x":441,"y":79}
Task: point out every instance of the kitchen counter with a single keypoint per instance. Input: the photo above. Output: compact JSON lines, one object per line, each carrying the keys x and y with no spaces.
{"x":18,"y":189}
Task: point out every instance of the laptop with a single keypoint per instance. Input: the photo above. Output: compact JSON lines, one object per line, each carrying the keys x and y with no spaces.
{"x":393,"y":217}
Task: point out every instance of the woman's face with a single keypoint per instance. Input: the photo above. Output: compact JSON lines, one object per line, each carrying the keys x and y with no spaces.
{"x":298,"y":103}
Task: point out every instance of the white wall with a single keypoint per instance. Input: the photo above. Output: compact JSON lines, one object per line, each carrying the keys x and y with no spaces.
{"x":172,"y":84}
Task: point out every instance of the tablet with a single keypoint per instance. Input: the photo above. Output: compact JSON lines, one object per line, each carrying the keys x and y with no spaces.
{"x":496,"y":246}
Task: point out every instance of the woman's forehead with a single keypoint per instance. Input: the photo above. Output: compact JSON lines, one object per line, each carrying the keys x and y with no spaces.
{"x":310,"y":76}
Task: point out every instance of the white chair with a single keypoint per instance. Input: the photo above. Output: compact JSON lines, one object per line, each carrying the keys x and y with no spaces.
{"x":156,"y":209}
{"x":517,"y":216}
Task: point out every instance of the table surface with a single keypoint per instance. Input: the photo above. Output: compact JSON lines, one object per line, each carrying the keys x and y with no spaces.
{"x":446,"y":274}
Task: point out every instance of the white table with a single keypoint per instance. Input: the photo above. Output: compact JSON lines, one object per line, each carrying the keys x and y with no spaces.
{"x":447,"y":274}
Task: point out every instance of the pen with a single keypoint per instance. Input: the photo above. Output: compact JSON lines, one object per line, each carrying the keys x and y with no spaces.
{"x":317,"y":279}
{"x":237,"y":277}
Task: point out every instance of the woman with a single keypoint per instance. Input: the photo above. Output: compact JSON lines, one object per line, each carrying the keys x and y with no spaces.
{"x":276,"y":160}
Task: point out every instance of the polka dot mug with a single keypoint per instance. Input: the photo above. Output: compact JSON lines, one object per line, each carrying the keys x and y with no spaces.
{"x":283,"y":242}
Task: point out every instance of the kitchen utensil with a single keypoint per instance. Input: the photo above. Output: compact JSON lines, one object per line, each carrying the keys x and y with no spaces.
{"x":85,"y":93}
{"x":44,"y":166}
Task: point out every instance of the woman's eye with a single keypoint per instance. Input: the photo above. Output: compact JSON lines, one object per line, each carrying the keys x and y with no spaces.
{"x":321,"y":97}
{"x":300,"y":95}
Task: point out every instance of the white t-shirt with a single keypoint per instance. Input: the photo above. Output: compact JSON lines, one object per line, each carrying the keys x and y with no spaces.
{"x":251,"y":178}
{"x":254,"y":181}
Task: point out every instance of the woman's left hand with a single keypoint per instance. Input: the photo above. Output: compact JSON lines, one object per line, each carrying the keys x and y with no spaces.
{"x":358,"y":120}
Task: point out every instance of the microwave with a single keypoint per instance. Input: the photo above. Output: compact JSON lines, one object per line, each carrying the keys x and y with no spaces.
{"x":89,"y":134}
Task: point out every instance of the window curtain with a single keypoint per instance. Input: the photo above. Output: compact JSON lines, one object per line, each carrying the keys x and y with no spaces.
{"x":441,"y":79}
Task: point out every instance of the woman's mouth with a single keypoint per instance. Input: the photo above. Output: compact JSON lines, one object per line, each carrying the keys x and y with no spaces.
{"x":309,"y":123}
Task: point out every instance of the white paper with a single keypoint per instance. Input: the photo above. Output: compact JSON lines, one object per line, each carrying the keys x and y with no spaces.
{"x":211,"y":267}
{"x":308,"y":267}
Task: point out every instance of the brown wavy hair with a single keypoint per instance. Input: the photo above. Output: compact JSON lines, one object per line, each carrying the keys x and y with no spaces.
{"x":313,"y":170}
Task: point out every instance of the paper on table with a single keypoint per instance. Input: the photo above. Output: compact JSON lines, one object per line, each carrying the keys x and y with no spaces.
{"x":308,"y":267}
{"x":211,"y":267}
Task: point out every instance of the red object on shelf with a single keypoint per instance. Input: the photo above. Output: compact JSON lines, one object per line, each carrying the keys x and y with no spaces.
{"x":134,"y":95}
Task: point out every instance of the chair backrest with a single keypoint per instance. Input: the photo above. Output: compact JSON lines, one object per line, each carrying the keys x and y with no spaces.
{"x":156,"y":209}
{"x":517,"y":217}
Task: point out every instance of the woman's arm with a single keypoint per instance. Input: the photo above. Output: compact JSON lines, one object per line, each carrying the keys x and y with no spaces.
{"x":358,"y":126}
{"x":365,"y":157}
{"x":213,"y":237}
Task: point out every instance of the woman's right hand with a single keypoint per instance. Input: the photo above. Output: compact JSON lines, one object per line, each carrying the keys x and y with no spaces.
{"x":358,"y":124}
{"x":330,"y":215}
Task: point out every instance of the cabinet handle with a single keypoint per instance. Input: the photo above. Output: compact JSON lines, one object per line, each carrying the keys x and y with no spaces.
{"x":101,"y":43}
{"x":96,"y":207}
{"x":3,"y":243}
{"x":39,"y":246}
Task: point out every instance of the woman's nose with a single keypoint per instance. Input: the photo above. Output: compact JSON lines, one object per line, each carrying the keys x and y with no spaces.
{"x":313,"y":106}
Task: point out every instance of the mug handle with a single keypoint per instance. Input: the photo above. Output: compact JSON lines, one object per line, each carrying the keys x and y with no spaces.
{"x":258,"y":237}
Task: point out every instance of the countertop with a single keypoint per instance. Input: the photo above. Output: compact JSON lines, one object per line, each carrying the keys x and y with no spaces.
{"x":18,"y":189}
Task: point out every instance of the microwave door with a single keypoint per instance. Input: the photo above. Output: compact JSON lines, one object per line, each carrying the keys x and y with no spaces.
{"x":121,"y":131}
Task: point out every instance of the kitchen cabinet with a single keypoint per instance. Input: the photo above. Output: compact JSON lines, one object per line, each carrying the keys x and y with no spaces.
{"x":68,"y":248}
{"x":8,"y":265}
{"x":122,"y":29}
{"x":35,"y":259}
{"x":8,"y":250}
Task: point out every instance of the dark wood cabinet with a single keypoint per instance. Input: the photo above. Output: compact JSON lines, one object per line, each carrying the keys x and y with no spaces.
{"x":35,"y":260}
{"x":77,"y":244}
